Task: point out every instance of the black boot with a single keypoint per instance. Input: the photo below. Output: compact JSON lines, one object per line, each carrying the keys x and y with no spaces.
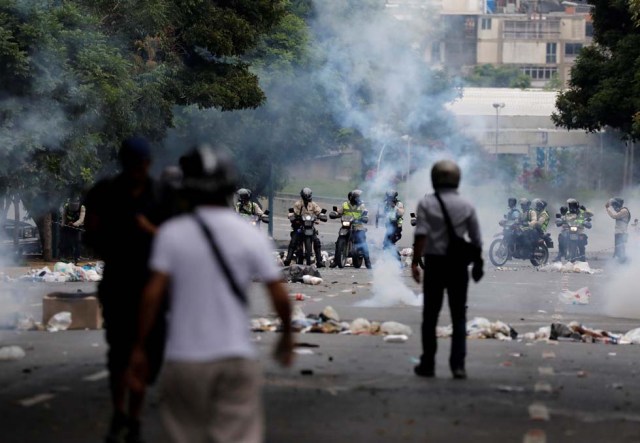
{"x":118,"y":429}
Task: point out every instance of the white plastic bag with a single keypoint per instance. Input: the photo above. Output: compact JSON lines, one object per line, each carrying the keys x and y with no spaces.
{"x":59,"y":322}
{"x":360,"y":326}
{"x":395,"y":328}
{"x":579,"y":297}
{"x":11,"y":353}
{"x":397,"y":338}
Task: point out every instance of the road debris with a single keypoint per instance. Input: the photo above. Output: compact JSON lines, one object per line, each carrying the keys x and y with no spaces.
{"x":538,"y":411}
{"x":580,"y":297}
{"x":32,"y":401}
{"x":65,"y":272}
{"x":59,"y":322}
{"x":542,"y":386}
{"x":9,"y":353}
{"x":576,"y":268}
{"x":396,"y":338}
{"x":507,"y":388}
{"x":535,"y":436}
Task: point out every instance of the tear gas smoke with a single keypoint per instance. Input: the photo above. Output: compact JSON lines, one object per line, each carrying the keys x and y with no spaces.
{"x":388,"y":286}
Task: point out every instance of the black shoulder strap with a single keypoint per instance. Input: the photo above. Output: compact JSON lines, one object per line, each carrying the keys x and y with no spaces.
{"x":452,"y":232}
{"x":223,"y":264}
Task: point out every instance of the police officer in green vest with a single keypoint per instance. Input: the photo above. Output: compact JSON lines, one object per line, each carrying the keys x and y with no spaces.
{"x":355,"y":208}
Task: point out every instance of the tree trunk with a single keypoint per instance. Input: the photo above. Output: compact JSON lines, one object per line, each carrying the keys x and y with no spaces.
{"x":47,"y":252}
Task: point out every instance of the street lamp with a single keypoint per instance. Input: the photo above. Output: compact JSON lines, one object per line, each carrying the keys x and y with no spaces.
{"x":498,"y":107}
{"x":407,"y":138}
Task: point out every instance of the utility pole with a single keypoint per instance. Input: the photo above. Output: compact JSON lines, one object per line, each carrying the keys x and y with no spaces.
{"x":498,"y":107}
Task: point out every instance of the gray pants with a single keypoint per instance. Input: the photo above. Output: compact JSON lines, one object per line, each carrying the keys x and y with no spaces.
{"x":620,"y":243}
{"x":213,"y":402}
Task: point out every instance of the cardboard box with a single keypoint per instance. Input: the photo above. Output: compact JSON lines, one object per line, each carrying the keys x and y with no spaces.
{"x":85,"y":309}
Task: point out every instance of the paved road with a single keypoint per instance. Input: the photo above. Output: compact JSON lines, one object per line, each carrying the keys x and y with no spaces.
{"x":362,"y":389}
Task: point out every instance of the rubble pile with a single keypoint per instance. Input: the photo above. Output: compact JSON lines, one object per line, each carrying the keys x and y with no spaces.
{"x":65,"y":272}
{"x":329,"y":322}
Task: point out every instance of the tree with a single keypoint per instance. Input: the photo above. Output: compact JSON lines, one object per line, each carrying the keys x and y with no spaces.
{"x":604,"y":89}
{"x":501,"y":76}
{"x":79,"y":76}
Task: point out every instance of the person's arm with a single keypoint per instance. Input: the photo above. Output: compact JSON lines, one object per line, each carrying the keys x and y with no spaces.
{"x":145,"y":225}
{"x":152,"y":297}
{"x":280,"y":299}
{"x":615,"y":215}
{"x":80,"y":220}
{"x":257,"y":210}
{"x":418,"y":247}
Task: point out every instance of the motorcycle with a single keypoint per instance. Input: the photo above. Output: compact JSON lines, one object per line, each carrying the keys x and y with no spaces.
{"x":575,"y":239}
{"x":345,"y":245}
{"x":255,"y":219}
{"x":305,"y":234}
{"x":507,"y":247}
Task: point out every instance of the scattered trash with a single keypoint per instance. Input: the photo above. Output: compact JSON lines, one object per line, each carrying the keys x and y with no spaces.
{"x":538,"y":411}
{"x":616,"y":386}
{"x":360,"y":326}
{"x":506,"y":388}
{"x":506,"y":364}
{"x":396,"y":338}
{"x":535,"y":436}
{"x":101,"y":375}
{"x":295,"y":273}
{"x":548,"y":354}
{"x":581,"y":374}
{"x":311,"y":280}
{"x":306,"y":345}
{"x":65,"y":272}
{"x":395,"y":328}
{"x":579,"y":297}
{"x":298,"y":296}
{"x":8,"y":353}
{"x":59,"y":322}
{"x":546,"y":370}
{"x":542,"y":386}
{"x":303,"y":351}
{"x":577,"y":267}
{"x":329,"y":313}
{"x":612,"y":354}
{"x":32,"y":401}
{"x":306,"y":372}
{"x":516,"y":354}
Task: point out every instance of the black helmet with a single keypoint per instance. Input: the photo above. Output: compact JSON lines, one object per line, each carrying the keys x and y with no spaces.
{"x":244,"y":195}
{"x":617,"y":203}
{"x":391,"y":196}
{"x":208,"y":172}
{"x":512,"y":202}
{"x":573,"y":205}
{"x":445,"y":174}
{"x":306,"y":194}
{"x":354,"y":197}
{"x":525,"y":204}
{"x":538,"y":204}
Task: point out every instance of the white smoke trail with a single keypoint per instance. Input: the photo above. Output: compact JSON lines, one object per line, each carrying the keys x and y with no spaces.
{"x":388,"y":286}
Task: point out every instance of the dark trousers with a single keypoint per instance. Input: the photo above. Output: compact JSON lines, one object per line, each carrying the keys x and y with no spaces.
{"x":360,"y":242}
{"x":70,"y":243}
{"x":441,"y":273}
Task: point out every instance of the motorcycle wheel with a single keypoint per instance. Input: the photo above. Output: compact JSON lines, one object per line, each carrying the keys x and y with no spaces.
{"x":540,"y":255}
{"x":572,"y":251}
{"x":498,"y":252}
{"x":307,"y":250}
{"x":341,"y":252}
{"x":357,"y":261}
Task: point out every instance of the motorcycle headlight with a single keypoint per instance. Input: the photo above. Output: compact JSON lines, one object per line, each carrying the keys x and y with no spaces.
{"x":307,"y":218}
{"x":346,"y":224}
{"x":574,"y":229}
{"x":28,"y":233}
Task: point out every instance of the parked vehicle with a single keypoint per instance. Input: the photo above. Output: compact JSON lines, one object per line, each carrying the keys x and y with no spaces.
{"x":507,"y":247}
{"x":28,"y":239}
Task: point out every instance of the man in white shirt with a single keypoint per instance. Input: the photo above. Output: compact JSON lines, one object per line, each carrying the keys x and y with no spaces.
{"x":211,"y":381}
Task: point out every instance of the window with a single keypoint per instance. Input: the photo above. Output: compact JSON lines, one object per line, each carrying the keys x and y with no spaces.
{"x":485,"y":23}
{"x":572,"y":49}
{"x":588,"y":29}
{"x":531,"y":29}
{"x":552,"y":50}
{"x":539,"y":72}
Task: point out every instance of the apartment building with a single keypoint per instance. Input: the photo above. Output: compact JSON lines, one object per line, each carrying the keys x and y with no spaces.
{"x":540,"y":37}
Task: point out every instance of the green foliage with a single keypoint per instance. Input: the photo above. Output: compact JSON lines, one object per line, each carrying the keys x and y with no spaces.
{"x":555,"y":84}
{"x":501,"y":76}
{"x":604,"y":88}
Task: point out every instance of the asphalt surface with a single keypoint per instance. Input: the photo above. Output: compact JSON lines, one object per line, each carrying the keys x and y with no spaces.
{"x":362,"y":389}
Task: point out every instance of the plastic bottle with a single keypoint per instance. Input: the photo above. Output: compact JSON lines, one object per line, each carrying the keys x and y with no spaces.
{"x":298,"y":296}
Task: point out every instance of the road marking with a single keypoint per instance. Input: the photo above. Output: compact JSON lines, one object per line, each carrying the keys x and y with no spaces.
{"x":31,"y":401}
{"x":97,"y":376}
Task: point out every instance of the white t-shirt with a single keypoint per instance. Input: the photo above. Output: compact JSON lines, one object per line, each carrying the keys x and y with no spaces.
{"x":206,"y":321}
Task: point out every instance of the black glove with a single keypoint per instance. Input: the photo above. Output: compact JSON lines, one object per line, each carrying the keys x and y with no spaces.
{"x":583,"y":207}
{"x":476,"y":272}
